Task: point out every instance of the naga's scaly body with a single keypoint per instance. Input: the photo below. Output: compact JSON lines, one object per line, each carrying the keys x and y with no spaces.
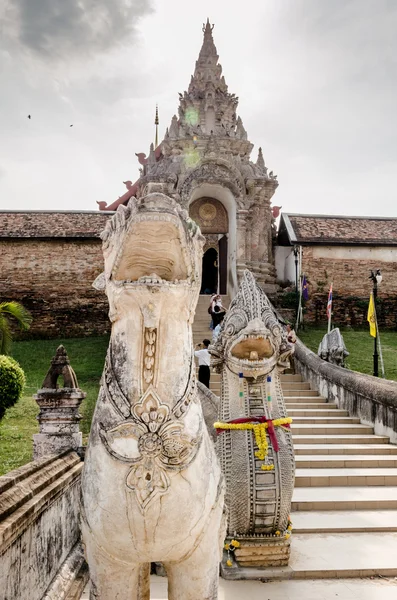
{"x":250,"y":351}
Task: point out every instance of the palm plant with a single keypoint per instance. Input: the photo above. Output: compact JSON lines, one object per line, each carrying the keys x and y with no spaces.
{"x":11,"y":311}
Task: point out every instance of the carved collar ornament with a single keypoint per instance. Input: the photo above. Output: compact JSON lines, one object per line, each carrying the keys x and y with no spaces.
{"x":151,"y":438}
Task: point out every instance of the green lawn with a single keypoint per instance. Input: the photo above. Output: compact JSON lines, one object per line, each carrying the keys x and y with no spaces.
{"x":86,"y":356}
{"x":361,"y":347}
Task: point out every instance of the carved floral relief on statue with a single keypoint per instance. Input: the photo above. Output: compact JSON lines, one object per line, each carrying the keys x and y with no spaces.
{"x":153,"y":442}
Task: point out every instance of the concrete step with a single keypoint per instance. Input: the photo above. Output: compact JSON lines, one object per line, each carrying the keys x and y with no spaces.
{"x":344,"y":521}
{"x":344,"y":498}
{"x":339,"y":439}
{"x":294,"y":400}
{"x":320,"y":419}
{"x":290,"y":377}
{"x":332,"y":429}
{"x":317,"y":412}
{"x":287,"y":586}
{"x":349,"y":449}
{"x":201,"y":320}
{"x":312,"y":405}
{"x":345,"y":477}
{"x":345,"y":461}
{"x":343,"y":555}
{"x":300,"y":393}
{"x":295,"y":385}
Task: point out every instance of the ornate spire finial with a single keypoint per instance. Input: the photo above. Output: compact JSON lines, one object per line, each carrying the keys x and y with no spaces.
{"x":208,"y":71}
{"x":260,"y":161}
{"x":207,"y":27}
{"x":156,"y":122}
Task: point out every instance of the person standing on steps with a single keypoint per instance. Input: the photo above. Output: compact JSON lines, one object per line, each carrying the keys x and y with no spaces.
{"x":204,"y":359}
{"x":217,"y":329}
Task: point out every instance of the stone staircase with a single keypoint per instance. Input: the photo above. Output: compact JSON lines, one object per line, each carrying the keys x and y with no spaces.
{"x":344,"y":507}
{"x":201,"y":330}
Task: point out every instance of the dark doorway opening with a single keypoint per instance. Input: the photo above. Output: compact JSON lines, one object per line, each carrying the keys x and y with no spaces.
{"x":223,"y":265}
{"x":209,"y":279}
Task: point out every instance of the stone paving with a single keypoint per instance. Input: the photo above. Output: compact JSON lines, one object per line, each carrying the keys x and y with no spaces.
{"x":326,"y":589}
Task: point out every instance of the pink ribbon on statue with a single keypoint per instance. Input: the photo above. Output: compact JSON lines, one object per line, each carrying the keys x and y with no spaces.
{"x":270,"y":428}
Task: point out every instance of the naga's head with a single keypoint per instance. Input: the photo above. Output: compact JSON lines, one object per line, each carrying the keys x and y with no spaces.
{"x":251,"y":340}
{"x":151,"y":249}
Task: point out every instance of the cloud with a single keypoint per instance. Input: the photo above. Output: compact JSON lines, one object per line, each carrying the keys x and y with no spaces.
{"x":62,"y":29}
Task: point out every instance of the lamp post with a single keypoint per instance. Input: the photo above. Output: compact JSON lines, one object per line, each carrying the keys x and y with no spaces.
{"x":376,"y":280}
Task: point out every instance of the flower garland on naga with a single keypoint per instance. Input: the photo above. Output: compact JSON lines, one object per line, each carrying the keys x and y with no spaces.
{"x":260,"y":426}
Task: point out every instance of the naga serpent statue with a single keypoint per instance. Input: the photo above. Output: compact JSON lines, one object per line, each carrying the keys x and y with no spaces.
{"x":152,"y":487}
{"x":254,"y":440}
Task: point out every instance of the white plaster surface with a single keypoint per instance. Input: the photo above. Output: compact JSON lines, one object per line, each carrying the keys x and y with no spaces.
{"x":384,"y":254}
{"x":326,"y":589}
{"x":285,"y":263}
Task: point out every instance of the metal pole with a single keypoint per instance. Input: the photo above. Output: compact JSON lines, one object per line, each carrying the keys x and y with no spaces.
{"x":376,"y":370}
{"x":296,"y":282}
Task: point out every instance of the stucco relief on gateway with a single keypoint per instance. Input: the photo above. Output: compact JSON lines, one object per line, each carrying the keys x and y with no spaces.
{"x":210,"y":215}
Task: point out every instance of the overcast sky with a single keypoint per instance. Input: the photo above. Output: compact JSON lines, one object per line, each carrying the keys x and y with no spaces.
{"x":317,"y":82}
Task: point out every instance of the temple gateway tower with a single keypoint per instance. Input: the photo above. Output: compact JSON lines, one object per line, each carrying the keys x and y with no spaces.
{"x":204,"y":163}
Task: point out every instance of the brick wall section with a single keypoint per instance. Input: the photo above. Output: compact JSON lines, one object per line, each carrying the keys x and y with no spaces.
{"x":53,"y":279}
{"x":351,"y":289}
{"x":48,"y":261}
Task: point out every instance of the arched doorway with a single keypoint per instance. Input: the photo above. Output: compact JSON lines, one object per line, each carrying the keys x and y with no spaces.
{"x":212,"y":218}
{"x":209,"y":279}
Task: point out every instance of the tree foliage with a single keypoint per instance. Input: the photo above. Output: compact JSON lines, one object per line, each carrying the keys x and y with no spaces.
{"x":10,"y":311}
{"x":12,"y":381}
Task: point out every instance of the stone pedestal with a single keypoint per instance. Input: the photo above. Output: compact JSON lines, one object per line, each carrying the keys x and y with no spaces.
{"x":59,"y":417}
{"x":255,"y":554}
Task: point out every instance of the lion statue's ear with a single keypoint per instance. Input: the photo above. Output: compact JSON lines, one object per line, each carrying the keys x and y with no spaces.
{"x":100,"y":283}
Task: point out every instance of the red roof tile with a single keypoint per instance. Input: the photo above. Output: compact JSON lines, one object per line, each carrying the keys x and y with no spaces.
{"x":333,"y":229}
{"x":52,"y":224}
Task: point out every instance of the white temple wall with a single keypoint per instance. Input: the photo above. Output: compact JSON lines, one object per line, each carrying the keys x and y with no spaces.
{"x":285,"y":263}
{"x":370,"y":253}
{"x":225,"y":196}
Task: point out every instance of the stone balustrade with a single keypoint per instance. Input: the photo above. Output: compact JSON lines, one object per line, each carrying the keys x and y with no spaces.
{"x":41,"y":557}
{"x":40,"y":552}
{"x":371,"y":399}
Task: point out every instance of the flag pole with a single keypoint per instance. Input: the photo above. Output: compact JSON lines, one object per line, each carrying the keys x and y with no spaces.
{"x":298,"y":314}
{"x":330,"y":310}
{"x":382,"y":364}
{"x":302,"y":275}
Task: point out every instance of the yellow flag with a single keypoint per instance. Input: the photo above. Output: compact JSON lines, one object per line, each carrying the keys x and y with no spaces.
{"x":371,"y":318}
